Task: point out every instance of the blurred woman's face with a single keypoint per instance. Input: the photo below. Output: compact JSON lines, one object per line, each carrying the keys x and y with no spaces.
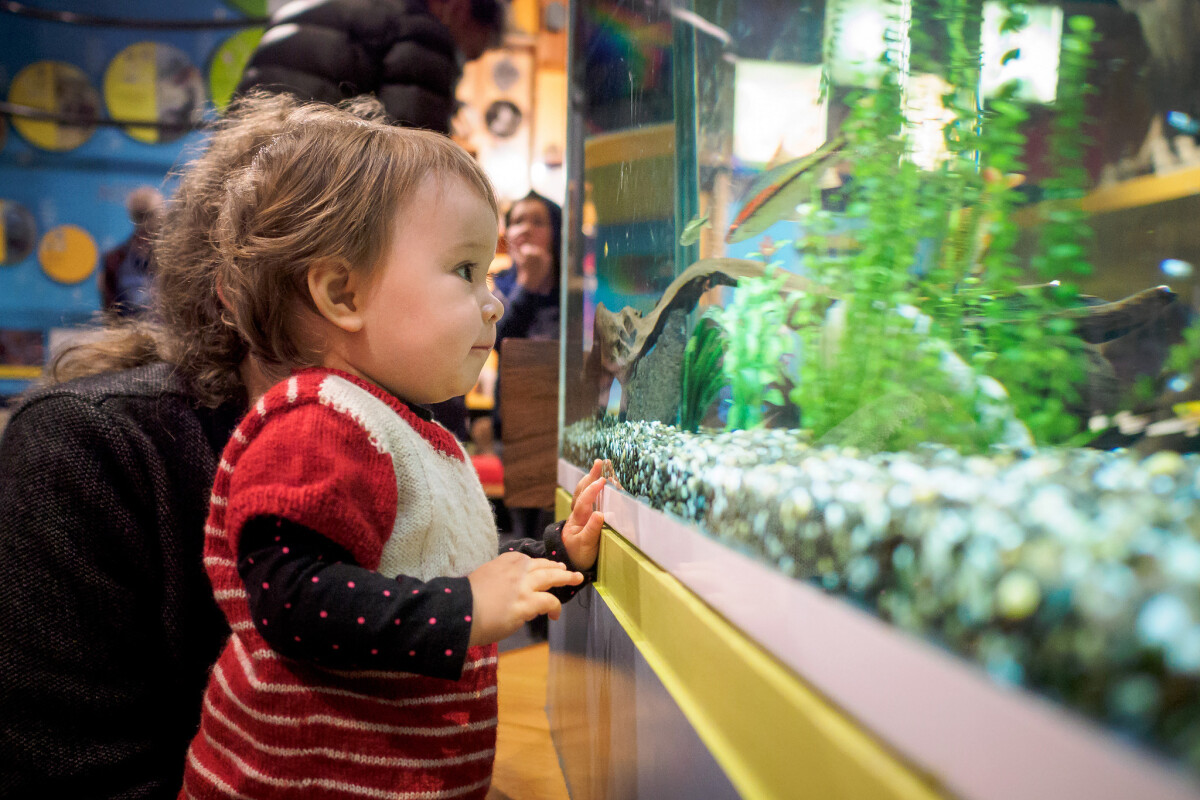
{"x":528,"y":224}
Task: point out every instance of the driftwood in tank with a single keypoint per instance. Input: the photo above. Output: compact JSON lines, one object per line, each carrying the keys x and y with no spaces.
{"x":1128,"y":339}
{"x":1099,"y":321}
{"x":1124,"y":341}
{"x":622,"y":337}
{"x":1169,"y":418}
{"x":1106,"y":322}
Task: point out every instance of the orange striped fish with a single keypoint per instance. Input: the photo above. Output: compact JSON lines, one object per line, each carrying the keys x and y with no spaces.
{"x":777,"y":192}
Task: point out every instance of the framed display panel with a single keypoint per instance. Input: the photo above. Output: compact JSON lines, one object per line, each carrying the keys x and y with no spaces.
{"x":57,"y":87}
{"x":154,"y":82}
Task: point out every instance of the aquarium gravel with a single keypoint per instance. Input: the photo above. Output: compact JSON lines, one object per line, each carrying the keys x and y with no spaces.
{"x":1072,"y":572}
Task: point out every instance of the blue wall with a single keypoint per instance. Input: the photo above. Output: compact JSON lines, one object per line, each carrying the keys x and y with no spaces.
{"x":87,"y":186}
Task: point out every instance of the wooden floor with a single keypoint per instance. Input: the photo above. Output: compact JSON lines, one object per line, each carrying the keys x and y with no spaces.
{"x":526,"y":762}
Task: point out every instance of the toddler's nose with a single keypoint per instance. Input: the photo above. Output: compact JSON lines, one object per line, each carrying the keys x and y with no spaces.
{"x":493,"y":308}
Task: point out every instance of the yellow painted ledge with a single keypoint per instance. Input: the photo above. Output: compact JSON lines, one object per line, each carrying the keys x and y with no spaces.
{"x":773,"y":735}
{"x":1143,"y":191}
{"x":20,"y":372}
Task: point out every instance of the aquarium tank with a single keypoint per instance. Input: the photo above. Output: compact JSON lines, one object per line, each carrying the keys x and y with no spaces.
{"x":899,"y":298}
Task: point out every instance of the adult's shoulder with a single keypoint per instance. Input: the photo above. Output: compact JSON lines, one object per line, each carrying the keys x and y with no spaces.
{"x":150,"y":399}
{"x":154,"y":380}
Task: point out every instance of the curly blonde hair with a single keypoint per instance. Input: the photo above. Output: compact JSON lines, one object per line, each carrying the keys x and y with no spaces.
{"x":279,"y":185}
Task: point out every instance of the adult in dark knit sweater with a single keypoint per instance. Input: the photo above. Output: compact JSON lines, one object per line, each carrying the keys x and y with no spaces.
{"x":107,"y":624}
{"x":110,"y":627}
{"x":408,"y":53}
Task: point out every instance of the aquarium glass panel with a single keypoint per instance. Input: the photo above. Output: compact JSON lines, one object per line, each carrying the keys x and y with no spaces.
{"x":898,"y":298}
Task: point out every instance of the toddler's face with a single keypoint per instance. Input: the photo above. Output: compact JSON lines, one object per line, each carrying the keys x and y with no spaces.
{"x":429,"y":319}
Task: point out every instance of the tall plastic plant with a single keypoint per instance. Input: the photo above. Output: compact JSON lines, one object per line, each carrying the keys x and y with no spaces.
{"x":701,"y":376}
{"x":932,"y":290}
{"x":1030,"y":350}
{"x":757,"y":337}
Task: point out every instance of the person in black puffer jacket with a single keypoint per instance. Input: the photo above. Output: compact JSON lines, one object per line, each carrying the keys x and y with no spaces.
{"x":408,"y":53}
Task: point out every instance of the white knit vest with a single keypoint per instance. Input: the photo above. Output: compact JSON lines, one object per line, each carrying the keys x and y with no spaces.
{"x":444,"y":525}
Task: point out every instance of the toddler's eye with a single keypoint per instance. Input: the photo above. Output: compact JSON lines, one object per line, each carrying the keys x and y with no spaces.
{"x":466,"y":272}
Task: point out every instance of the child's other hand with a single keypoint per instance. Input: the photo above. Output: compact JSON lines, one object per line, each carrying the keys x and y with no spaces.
{"x":534,"y":268}
{"x":581,"y":533}
{"x":512,"y":589}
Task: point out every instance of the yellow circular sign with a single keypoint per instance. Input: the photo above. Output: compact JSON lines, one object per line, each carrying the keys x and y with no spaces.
{"x":68,"y":253}
{"x":153,"y":82}
{"x":57,"y":87}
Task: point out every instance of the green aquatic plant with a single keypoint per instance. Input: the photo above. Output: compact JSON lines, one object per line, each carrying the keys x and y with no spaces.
{"x":1035,"y":352}
{"x":755,"y":332}
{"x":931,"y":308}
{"x":875,"y":353}
{"x":701,"y":376}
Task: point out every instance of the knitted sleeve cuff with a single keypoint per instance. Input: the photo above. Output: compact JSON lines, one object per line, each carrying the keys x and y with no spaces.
{"x":552,"y":539}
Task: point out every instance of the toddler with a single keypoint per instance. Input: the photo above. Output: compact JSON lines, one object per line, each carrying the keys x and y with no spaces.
{"x":349,"y":542}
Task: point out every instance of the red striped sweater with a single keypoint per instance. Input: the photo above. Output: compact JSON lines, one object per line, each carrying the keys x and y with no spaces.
{"x":349,"y":461}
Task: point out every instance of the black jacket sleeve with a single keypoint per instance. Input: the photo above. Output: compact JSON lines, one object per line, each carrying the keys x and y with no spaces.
{"x":329,"y":50}
{"x":419,"y":74}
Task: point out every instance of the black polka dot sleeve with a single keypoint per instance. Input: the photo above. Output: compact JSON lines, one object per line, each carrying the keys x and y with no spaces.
{"x":551,"y":546}
{"x":311,"y":602}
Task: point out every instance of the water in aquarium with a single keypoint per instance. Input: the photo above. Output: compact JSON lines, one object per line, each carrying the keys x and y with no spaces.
{"x":898,"y":297}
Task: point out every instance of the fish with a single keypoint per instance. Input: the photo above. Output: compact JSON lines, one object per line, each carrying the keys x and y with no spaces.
{"x":691,"y":233}
{"x":777,"y":192}
{"x":971,"y":226}
{"x":767,"y":247}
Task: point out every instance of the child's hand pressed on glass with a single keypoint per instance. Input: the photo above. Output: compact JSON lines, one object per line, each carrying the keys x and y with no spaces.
{"x":512,"y":589}
{"x":581,"y":533}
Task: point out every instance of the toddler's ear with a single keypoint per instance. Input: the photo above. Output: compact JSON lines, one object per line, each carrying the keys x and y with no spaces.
{"x":333,"y":285}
